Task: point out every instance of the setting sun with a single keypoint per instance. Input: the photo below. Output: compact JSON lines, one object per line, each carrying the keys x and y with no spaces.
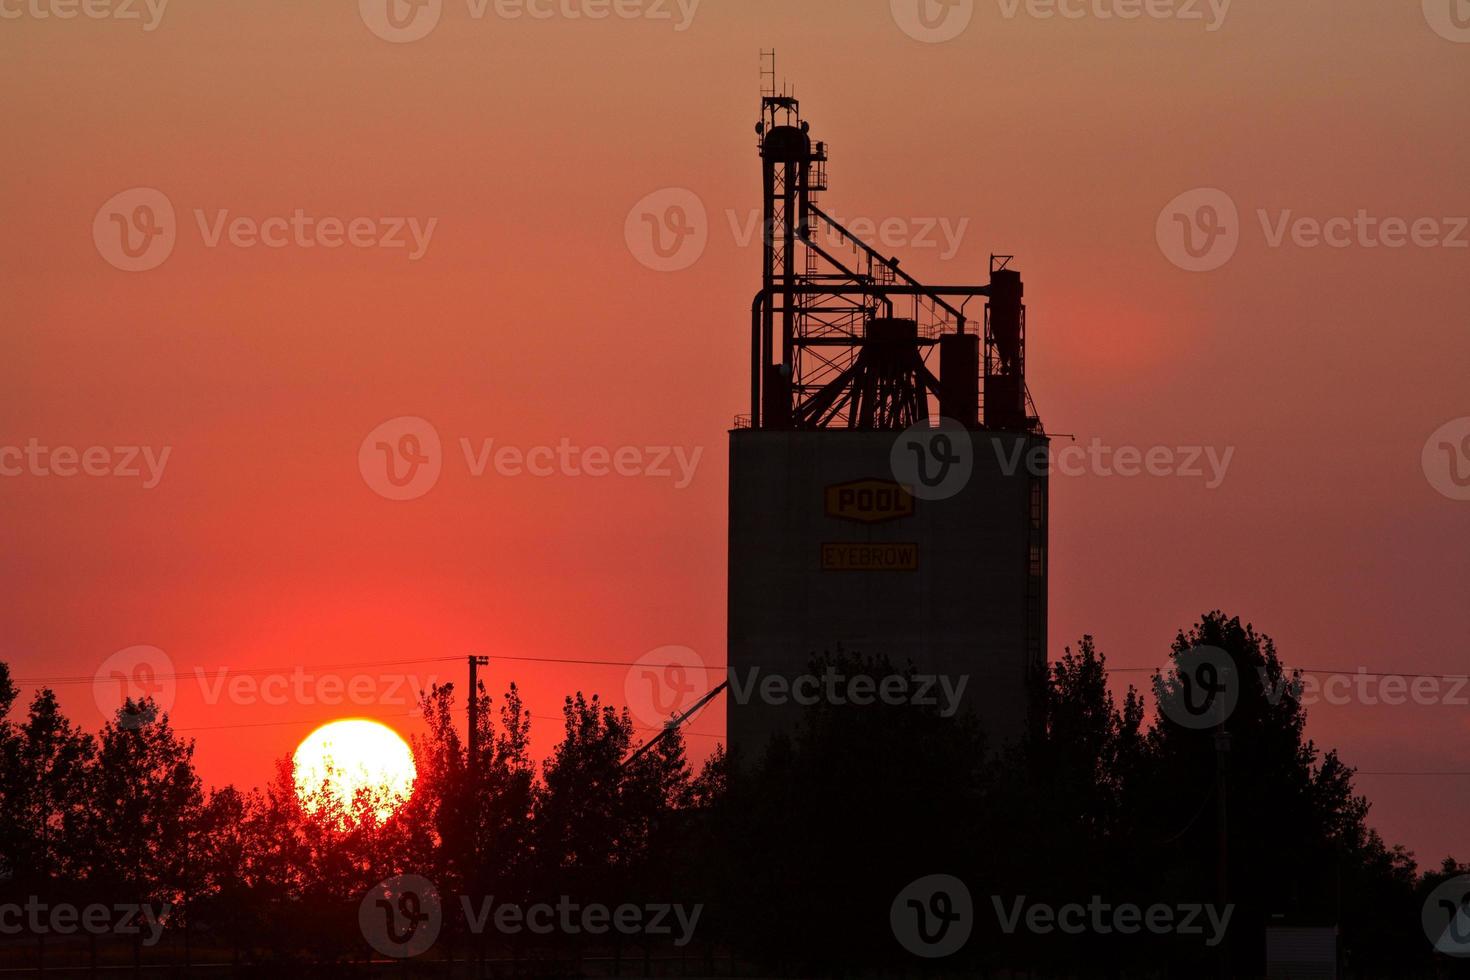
{"x":343,"y":759}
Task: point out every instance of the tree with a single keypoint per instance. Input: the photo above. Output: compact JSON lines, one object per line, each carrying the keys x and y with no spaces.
{"x":1296,"y":831}
{"x":145,"y":806}
{"x":45,"y":793}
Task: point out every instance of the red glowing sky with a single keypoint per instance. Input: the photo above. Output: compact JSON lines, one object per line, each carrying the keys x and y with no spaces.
{"x":529,"y":320}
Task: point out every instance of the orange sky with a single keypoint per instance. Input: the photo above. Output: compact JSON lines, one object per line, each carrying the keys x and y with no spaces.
{"x":528,"y":319}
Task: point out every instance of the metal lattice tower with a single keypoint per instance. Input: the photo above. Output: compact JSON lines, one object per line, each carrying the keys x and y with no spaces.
{"x":847,"y":340}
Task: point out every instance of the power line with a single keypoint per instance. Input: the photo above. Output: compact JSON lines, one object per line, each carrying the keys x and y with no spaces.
{"x":268,"y":724}
{"x":1350,"y":671}
{"x":200,"y":671}
{"x":404,"y":714}
{"x":356,"y":665}
{"x":608,"y":663}
{"x":593,"y":662}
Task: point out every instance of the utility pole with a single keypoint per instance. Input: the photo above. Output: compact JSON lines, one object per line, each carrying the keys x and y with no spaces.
{"x":1222,"y":837}
{"x":474,"y":709}
{"x":472,"y":764}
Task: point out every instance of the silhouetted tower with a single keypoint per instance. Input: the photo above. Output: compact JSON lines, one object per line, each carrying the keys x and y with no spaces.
{"x":856,"y":333}
{"x":847,"y":352}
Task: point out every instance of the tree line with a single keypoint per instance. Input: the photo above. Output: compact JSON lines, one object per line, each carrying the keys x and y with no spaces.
{"x":794,"y":856}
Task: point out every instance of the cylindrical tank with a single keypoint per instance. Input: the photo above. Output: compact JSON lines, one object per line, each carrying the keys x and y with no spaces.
{"x":786,"y":144}
{"x":1005,"y":316}
{"x":959,"y":378}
